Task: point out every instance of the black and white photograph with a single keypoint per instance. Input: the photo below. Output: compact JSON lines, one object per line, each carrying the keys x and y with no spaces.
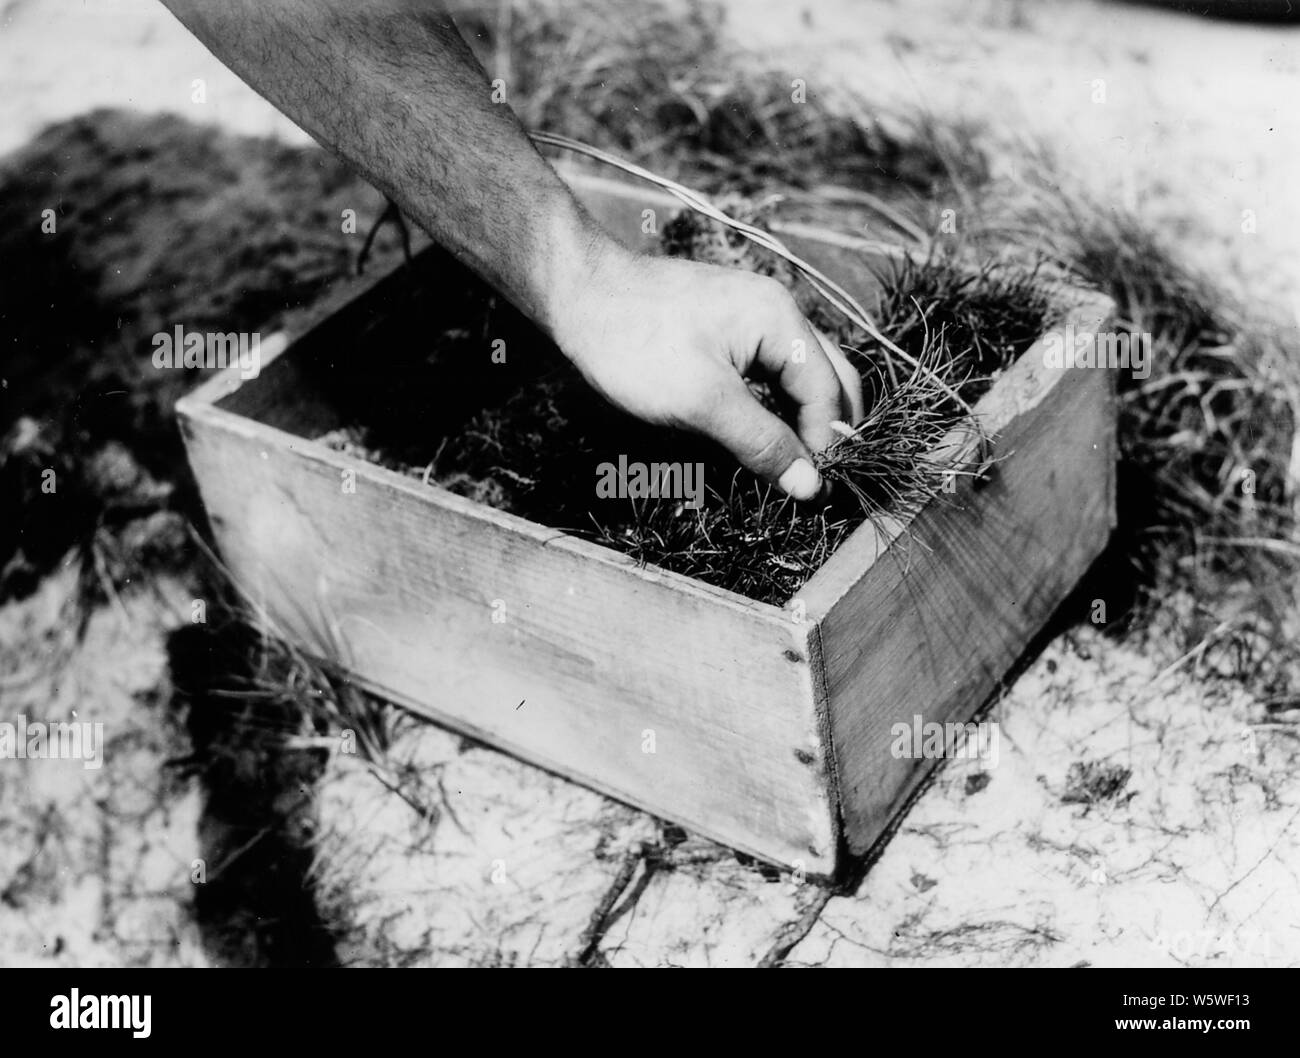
{"x":651,"y":484}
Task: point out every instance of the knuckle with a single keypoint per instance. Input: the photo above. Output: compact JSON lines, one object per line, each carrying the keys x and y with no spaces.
{"x":783,"y":307}
{"x":772,"y":294}
{"x":770,"y":450}
{"x":700,"y":405}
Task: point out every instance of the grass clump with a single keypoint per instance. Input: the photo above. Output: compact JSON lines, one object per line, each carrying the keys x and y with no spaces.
{"x":660,"y":84}
{"x":888,"y":461}
{"x":988,"y":313}
{"x":749,"y":539}
{"x":1209,"y":460}
{"x":1209,"y":442}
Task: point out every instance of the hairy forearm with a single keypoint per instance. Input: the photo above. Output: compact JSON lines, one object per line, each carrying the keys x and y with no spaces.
{"x":391,"y":86}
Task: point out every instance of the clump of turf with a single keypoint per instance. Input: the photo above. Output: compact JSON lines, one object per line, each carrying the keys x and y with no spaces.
{"x":888,"y":462}
{"x":988,"y":314}
{"x":983,"y":314}
{"x":749,"y":539}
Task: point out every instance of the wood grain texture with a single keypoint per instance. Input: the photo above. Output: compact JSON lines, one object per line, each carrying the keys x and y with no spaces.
{"x":400,"y":582}
{"x":929,"y":627}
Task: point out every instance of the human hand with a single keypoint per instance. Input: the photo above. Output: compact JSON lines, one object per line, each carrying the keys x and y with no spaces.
{"x":672,"y":342}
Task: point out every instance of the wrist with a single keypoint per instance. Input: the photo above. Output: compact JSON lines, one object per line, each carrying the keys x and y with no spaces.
{"x":584,"y":268}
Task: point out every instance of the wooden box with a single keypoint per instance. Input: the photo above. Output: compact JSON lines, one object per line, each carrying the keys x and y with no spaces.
{"x":766,"y":728}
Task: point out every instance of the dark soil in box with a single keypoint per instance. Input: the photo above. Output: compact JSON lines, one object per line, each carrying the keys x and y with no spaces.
{"x":419,"y":391}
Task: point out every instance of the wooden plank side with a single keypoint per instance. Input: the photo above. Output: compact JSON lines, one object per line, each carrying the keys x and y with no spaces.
{"x":1020,"y":389}
{"x":933,"y":625}
{"x":682,"y":701}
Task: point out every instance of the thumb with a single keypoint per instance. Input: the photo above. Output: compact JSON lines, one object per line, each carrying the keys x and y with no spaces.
{"x":761,"y":442}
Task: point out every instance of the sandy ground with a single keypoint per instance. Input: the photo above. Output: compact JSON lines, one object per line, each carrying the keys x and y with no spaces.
{"x":1188,"y":120}
{"x":96,"y":863}
{"x":63,"y":57}
{"x":1185,"y":120}
{"x":1191,"y":858}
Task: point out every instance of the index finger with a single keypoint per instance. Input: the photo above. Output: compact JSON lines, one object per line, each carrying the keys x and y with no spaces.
{"x":802,"y":367}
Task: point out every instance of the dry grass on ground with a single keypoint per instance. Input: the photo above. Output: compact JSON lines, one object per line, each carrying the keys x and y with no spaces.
{"x":1206,"y":733}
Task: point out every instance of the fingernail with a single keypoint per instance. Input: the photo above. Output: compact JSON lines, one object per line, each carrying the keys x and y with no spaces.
{"x":800,"y":480}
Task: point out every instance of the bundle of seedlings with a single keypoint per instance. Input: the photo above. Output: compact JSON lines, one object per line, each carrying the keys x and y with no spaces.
{"x":535,"y":445}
